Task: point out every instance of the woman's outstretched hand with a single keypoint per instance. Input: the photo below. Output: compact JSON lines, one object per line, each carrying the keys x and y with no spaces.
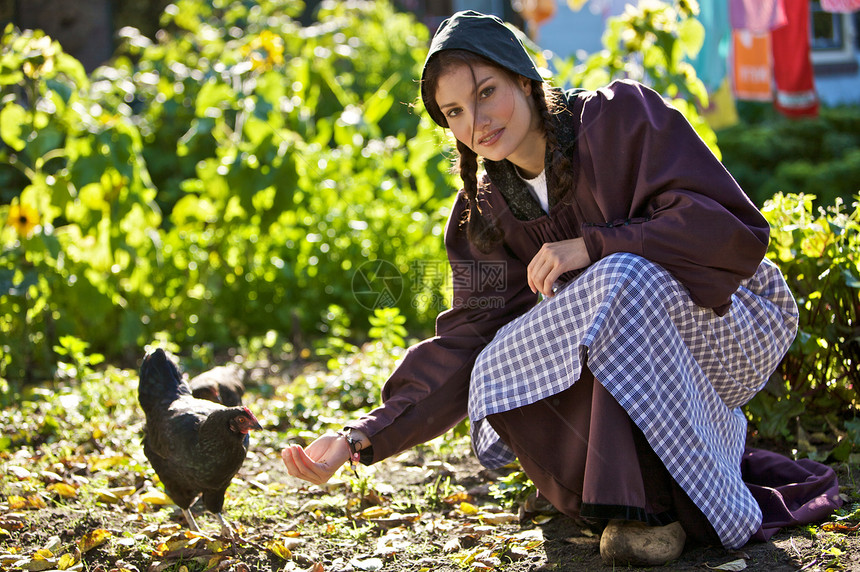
{"x":554,"y":259}
{"x":319,"y":461}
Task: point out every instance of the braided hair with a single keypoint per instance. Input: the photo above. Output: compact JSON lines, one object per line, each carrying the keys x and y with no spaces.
{"x":481,"y":229}
{"x":561,"y":176}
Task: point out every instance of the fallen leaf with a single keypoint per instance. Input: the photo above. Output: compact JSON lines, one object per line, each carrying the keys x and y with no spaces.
{"x":16,"y":502}
{"x":468,"y":508}
{"x":50,"y":477}
{"x":176,"y":543}
{"x":101,"y":463}
{"x":395,"y":520}
{"x":11,"y":523}
{"x":35,"y":501}
{"x":455,"y":498}
{"x":215,"y":561}
{"x":170,"y":528}
{"x":499,"y":518}
{"x":369,"y":564}
{"x":66,"y":561}
{"x":122,"y":492}
{"x":733,"y":566}
{"x":35,"y":564}
{"x":193,"y":534}
{"x":93,"y":539}
{"x":65,"y":490}
{"x":374,"y":512}
{"x":156,"y":497}
{"x":837,"y":527}
{"x":20,"y":503}
{"x":54,"y":544}
{"x":19,"y":472}
{"x":312,"y":506}
{"x":106,"y":496}
{"x":516,"y":553}
{"x":278,"y":549}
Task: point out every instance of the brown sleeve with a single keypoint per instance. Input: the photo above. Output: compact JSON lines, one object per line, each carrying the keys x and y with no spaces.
{"x":665,"y":196}
{"x":427,"y":393}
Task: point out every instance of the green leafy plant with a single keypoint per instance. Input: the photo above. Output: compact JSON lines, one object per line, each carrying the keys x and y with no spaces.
{"x":387,"y":327}
{"x":73,"y":254}
{"x":81,"y":363}
{"x":819,"y":253}
{"x":212,"y":186}
{"x":817,"y":156}
{"x":653,"y":43}
{"x":512,"y":488}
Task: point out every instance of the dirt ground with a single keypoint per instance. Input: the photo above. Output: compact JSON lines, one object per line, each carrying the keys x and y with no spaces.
{"x":94,"y":505}
{"x":391,"y":525}
{"x":565,"y":546}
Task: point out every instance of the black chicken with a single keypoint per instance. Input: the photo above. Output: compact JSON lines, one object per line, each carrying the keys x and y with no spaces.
{"x":195,"y":446}
{"x":222,"y":384}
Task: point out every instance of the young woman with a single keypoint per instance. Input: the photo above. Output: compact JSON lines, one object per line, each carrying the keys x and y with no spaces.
{"x":630,"y":312}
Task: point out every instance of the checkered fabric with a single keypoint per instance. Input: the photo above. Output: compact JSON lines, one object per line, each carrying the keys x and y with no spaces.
{"x":680,"y":371}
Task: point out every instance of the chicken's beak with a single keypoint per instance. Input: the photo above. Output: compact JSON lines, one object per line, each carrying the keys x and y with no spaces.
{"x":254,"y":423}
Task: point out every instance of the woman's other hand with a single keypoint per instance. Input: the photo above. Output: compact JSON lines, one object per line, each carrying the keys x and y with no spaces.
{"x":554,"y":259}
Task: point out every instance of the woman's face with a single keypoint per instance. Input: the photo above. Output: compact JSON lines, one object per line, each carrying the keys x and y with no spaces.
{"x":489,"y":111}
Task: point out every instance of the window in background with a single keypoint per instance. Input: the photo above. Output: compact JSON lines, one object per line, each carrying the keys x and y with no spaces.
{"x":832,"y":38}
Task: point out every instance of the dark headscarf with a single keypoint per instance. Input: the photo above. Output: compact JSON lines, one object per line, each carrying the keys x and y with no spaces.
{"x":486,"y":36}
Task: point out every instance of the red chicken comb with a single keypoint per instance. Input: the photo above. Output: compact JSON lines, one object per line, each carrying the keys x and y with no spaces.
{"x":256,"y":424}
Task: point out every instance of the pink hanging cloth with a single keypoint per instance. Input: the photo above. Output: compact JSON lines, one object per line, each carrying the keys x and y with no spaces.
{"x":757,"y":16}
{"x":844,"y":6}
{"x":792,"y":64}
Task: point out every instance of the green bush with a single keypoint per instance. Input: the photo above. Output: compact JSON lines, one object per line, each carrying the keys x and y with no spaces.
{"x":815,"y":388}
{"x":222,"y":183}
{"x":818,"y":156}
{"x":75,"y":250}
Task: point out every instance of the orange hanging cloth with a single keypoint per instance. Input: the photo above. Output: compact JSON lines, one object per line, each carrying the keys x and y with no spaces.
{"x":752,"y":77}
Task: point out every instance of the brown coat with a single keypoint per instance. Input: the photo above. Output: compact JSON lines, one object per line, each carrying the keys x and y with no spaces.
{"x":645,"y":183}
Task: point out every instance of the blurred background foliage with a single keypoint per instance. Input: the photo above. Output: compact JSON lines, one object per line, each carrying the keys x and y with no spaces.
{"x":222,"y":182}
{"x":232,"y":180}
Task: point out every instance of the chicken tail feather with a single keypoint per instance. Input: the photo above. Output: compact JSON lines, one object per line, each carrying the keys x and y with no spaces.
{"x":160,"y":380}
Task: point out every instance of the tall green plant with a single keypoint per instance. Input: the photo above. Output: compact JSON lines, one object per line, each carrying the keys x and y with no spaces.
{"x":818,"y":250}
{"x":220,"y":183}
{"x":73,"y":251}
{"x":653,"y":43}
{"x":305,"y":162}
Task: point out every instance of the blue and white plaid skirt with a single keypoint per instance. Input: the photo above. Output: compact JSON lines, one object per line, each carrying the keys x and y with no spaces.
{"x":679,"y":370}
